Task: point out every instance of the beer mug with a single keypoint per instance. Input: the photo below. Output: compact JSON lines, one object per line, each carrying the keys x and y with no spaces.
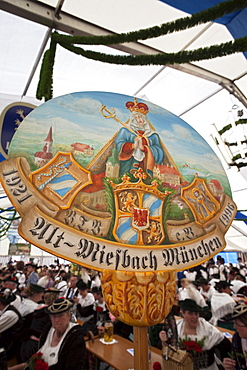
{"x":108,"y":332}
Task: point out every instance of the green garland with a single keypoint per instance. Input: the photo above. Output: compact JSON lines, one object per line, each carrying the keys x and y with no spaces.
{"x":44,"y":88}
{"x":241,"y":121}
{"x":181,"y":24}
{"x":238,"y":156}
{"x":210,"y":52}
{"x":235,"y":143}
{"x":238,"y":165}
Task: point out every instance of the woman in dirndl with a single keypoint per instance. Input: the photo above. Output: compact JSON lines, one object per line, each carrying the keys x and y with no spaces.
{"x":200,"y":338}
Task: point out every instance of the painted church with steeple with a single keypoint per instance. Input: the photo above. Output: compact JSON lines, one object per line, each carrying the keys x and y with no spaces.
{"x":44,"y":156}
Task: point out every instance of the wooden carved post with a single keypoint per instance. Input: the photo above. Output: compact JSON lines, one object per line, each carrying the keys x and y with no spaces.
{"x":140,"y":299}
{"x":141,"y":348}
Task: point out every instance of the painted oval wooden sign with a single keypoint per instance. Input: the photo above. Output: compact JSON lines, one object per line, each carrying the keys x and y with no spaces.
{"x":112,"y":182}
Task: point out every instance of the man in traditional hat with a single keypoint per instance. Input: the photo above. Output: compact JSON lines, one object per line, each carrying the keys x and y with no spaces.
{"x":33,"y":276}
{"x":11,"y":282}
{"x":10,"y":321}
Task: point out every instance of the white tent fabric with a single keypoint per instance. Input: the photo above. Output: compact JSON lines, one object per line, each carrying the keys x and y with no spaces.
{"x":202,"y":93}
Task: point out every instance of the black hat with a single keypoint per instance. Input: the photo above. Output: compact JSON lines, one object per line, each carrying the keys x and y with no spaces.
{"x":60,"y":305}
{"x":11,"y":278}
{"x":234,"y":271}
{"x":7,"y":296}
{"x":52,"y":290}
{"x":37,"y":288}
{"x":81,"y":285}
{"x":222,"y":284}
{"x":202,"y":280}
{"x":189,"y":305}
{"x":97,"y":290}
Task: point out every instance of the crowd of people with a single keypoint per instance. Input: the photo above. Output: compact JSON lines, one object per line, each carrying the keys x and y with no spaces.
{"x":51,"y":310}
{"x":215,"y":287}
{"x":43,"y":308}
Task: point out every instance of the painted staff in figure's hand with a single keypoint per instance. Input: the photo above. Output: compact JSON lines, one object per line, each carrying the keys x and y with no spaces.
{"x":112,"y":114}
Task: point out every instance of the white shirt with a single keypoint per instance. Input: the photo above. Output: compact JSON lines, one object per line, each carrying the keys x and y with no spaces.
{"x":21,"y":279}
{"x":17,"y":301}
{"x":221,"y":271}
{"x":62,"y":286}
{"x":191,"y":276}
{"x":43,"y":281}
{"x":50,"y":354}
{"x":96,"y":282}
{"x":236,"y":285}
{"x":85,"y":277}
{"x":213,"y":270}
{"x":212,"y":282}
{"x":208,"y":294}
{"x":7,"y":319}
{"x":27,"y":306}
{"x":84,"y":302}
{"x":222,"y":304}
{"x":190,"y":292}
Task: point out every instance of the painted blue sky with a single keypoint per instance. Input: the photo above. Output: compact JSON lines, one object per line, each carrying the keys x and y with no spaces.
{"x":76,"y":118}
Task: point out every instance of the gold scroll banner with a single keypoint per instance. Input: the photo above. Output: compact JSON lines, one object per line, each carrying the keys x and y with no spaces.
{"x":14,"y":175}
{"x":24,"y":196}
{"x":86,"y":220}
{"x":56,"y":238}
{"x":179,"y":231}
{"x":184,"y":232}
{"x":40,"y":227}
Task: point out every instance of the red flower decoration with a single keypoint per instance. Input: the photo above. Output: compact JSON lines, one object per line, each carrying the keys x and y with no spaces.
{"x":37,"y":363}
{"x":193,"y":346}
{"x":99,"y":309}
{"x":41,"y":365}
{"x":156,"y":366}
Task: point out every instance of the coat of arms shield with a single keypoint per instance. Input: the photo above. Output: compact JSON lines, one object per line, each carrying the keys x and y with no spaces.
{"x":139,"y":211}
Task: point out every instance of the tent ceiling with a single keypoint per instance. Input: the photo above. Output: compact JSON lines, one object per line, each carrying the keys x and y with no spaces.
{"x":202,"y":93}
{"x":105,"y":17}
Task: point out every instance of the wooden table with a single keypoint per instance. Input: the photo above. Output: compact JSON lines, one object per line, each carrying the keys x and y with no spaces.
{"x":240,"y":299}
{"x":116,"y":354}
{"x":224,"y":330}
